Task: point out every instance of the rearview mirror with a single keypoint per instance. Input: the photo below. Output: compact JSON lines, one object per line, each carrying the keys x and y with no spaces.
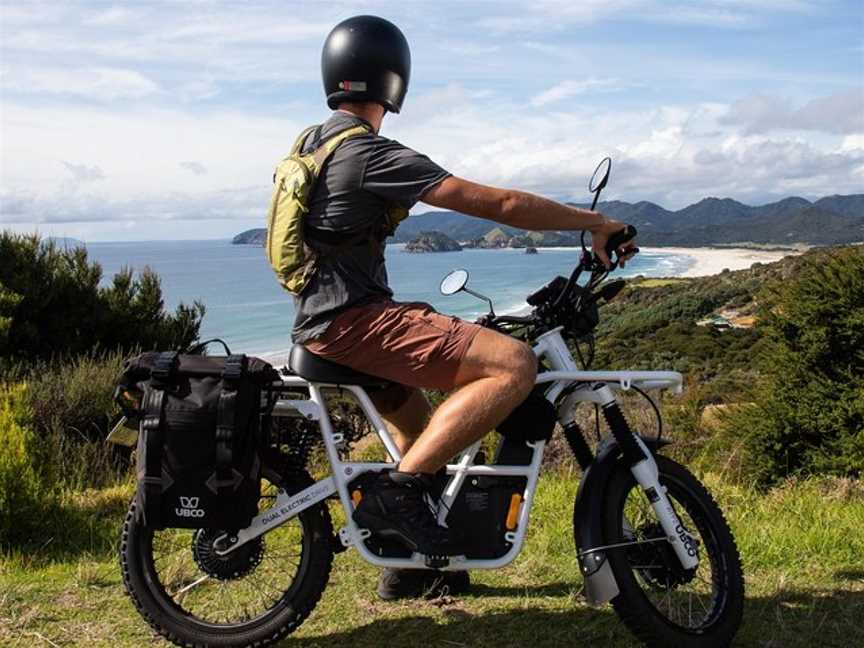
{"x":454,"y":282}
{"x":600,"y":176}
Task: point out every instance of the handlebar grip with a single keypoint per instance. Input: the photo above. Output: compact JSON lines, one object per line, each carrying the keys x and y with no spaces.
{"x":619,"y":238}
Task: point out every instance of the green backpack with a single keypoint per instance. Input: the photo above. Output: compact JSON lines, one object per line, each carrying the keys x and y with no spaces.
{"x":292,"y":260}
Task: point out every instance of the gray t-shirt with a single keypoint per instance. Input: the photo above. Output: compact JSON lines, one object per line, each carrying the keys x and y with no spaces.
{"x":362,"y":179}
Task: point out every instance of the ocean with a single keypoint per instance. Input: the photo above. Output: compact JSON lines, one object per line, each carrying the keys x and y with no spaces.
{"x":247,"y":308}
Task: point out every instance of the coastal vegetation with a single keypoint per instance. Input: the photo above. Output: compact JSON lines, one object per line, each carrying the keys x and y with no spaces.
{"x":54,"y":303}
{"x":790,"y":389}
{"x":63,"y":335}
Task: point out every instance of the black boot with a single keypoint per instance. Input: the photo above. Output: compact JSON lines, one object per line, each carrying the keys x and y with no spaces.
{"x":414,"y":583}
{"x":396,"y":505}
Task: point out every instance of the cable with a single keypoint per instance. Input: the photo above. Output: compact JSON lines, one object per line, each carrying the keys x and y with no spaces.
{"x":654,"y":407}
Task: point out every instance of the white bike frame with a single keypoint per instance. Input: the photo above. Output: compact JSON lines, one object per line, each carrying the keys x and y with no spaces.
{"x":593,"y":386}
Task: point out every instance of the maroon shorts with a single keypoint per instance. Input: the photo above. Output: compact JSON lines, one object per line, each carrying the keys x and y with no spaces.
{"x":407,"y":343}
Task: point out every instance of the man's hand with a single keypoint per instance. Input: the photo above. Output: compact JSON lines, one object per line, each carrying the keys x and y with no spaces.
{"x":600,"y":235}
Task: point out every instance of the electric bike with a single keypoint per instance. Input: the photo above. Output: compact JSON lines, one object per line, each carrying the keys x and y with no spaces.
{"x":649,"y":537}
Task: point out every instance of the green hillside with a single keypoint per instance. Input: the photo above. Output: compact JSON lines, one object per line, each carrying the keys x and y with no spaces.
{"x":655,"y":323}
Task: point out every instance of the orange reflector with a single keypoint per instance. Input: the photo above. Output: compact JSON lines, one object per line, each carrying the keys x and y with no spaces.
{"x":356,"y":496}
{"x":513,"y":512}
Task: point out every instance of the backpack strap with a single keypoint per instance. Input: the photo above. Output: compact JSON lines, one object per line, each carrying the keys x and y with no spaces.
{"x":301,"y":139}
{"x":320,"y":155}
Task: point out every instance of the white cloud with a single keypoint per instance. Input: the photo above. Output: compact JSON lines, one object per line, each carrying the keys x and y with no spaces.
{"x":97,"y":83}
{"x":853,"y":142}
{"x":84,"y":173}
{"x":184,"y":108}
{"x":195,"y":167}
{"x":527,"y":16}
{"x":840,"y":113}
{"x":571,"y":88}
{"x":112,"y":16}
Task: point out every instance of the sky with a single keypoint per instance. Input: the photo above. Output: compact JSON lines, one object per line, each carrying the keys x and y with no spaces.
{"x":164,"y":120}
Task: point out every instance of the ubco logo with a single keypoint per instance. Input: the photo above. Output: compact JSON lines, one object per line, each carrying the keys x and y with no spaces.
{"x":687,"y":540}
{"x":189,"y":508}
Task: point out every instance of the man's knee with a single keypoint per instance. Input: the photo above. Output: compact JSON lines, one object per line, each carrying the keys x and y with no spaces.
{"x":517,"y":367}
{"x":494,"y":355}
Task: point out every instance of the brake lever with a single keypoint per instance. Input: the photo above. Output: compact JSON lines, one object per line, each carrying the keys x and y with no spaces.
{"x":614,"y":264}
{"x":612,"y":245}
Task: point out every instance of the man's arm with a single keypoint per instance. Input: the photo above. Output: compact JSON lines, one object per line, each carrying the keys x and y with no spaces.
{"x":525,"y":211}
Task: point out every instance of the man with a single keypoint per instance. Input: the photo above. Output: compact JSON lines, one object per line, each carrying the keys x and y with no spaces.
{"x":346,"y":313}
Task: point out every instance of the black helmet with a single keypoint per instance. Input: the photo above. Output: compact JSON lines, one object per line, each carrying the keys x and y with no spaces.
{"x":366,"y":58}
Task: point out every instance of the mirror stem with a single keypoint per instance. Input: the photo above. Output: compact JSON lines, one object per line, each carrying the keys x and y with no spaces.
{"x":483,"y":297}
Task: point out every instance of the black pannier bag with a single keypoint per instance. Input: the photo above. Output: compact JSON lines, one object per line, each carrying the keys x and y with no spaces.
{"x":200,"y":438}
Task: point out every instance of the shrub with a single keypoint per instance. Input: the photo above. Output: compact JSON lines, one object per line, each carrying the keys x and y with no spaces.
{"x":72,"y":410}
{"x":22,"y":494}
{"x":52,"y":304}
{"x":808,"y":415}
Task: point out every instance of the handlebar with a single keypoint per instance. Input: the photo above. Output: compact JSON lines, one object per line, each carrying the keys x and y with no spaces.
{"x":514,"y":319}
{"x":617,"y":240}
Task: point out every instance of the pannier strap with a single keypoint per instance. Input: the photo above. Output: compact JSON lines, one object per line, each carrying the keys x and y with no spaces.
{"x":226,"y":412}
{"x":163,"y":368}
{"x":235,"y":367}
{"x":227,"y":479}
{"x":151,"y":431}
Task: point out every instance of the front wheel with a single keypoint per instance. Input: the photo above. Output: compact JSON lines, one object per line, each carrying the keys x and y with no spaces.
{"x":253,"y":597}
{"x":662,"y":603}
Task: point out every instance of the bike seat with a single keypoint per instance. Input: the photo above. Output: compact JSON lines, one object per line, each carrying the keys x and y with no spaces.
{"x":314,"y":368}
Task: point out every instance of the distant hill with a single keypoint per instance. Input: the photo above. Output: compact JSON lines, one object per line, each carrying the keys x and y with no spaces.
{"x":257,"y":236}
{"x":65,"y":242}
{"x":712,"y":221}
{"x":831,"y":220}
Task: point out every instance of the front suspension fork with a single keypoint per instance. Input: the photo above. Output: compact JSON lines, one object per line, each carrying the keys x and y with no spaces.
{"x":647,"y":475}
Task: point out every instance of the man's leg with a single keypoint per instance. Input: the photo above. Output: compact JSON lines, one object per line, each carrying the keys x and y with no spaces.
{"x":406,"y":423}
{"x":495,"y":375}
{"x":408,"y":419}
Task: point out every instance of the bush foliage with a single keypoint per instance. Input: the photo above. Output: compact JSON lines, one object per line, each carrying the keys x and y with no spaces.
{"x":53,"y":303}
{"x":808,"y":412}
{"x":63,"y":334}
{"x":23,"y":493}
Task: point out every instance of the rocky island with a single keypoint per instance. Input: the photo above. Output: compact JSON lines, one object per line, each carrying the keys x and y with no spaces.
{"x":433,"y":242}
{"x":257,"y":236}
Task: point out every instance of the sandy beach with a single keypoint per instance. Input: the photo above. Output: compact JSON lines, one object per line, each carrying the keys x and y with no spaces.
{"x":709,"y":261}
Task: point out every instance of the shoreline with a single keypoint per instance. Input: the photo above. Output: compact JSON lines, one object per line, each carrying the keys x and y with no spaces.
{"x":707,"y":261}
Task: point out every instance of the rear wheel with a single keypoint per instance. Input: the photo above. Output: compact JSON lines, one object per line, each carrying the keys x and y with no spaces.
{"x":662,"y":603}
{"x":253,"y":596}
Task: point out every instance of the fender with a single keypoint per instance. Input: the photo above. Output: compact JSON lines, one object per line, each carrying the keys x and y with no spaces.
{"x":600,"y":585}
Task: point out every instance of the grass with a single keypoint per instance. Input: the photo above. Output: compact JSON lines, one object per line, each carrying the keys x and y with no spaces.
{"x":657,"y":283}
{"x":802,"y":546}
